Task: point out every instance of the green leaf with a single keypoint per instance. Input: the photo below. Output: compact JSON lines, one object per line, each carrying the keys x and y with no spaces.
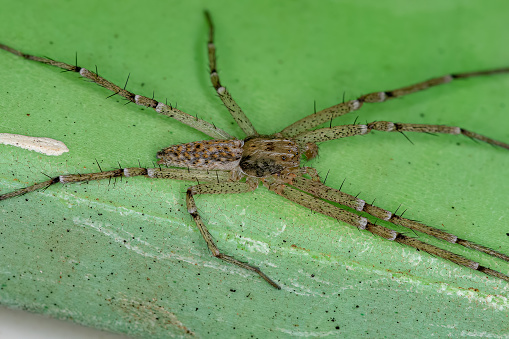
{"x":126,"y":256}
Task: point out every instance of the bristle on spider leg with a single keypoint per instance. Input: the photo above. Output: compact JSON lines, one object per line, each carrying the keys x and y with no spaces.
{"x":127,"y":80}
{"x":406,"y":137}
{"x":340,"y":187}
{"x":396,"y":211}
{"x":326,"y":176}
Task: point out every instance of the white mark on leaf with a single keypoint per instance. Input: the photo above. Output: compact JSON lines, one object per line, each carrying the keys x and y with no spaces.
{"x":38,"y":144}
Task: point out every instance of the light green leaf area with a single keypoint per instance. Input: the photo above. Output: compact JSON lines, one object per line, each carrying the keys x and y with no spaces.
{"x":126,"y":256}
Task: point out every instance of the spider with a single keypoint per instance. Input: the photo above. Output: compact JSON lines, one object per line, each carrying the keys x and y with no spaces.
{"x":227,"y":165}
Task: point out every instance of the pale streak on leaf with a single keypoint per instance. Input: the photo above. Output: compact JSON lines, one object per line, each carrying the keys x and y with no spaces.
{"x":43,"y":145}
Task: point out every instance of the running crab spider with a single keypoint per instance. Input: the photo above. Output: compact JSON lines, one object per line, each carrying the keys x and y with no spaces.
{"x":227,"y":165}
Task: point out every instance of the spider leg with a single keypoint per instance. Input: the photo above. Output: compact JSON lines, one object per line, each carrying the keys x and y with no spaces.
{"x":160,"y":107}
{"x":314,"y":120}
{"x":322,"y":191}
{"x":221,"y":188}
{"x":321,"y":206}
{"x":343,"y":131}
{"x":235,"y":110}
{"x":164,"y":173}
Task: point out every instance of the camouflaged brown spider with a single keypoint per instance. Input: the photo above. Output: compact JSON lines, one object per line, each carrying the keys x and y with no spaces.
{"x":230,"y":165}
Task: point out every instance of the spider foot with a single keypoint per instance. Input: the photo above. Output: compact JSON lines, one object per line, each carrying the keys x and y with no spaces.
{"x":247,"y":266}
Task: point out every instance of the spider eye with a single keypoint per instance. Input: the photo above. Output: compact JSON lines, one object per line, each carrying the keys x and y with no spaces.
{"x":283,"y":157}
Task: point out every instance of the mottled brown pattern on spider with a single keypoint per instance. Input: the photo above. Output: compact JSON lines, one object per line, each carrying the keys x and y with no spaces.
{"x":206,"y":155}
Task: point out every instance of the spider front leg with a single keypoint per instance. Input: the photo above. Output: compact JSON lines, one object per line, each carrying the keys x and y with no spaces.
{"x":162,"y":173}
{"x":343,"y":131}
{"x":307,"y":199}
{"x":322,"y":191}
{"x":235,"y":110}
{"x":222,"y":188}
{"x":162,"y":108}
{"x":314,"y":120}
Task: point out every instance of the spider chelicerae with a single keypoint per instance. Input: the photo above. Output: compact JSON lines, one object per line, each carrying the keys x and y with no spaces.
{"x":227,"y":165}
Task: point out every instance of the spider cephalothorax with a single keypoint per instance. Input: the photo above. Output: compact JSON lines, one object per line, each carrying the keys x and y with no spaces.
{"x":227,"y":165}
{"x":264,"y":156}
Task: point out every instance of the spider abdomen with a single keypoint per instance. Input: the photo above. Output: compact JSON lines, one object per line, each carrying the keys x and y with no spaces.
{"x":207,"y":154}
{"x":265,"y":156}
